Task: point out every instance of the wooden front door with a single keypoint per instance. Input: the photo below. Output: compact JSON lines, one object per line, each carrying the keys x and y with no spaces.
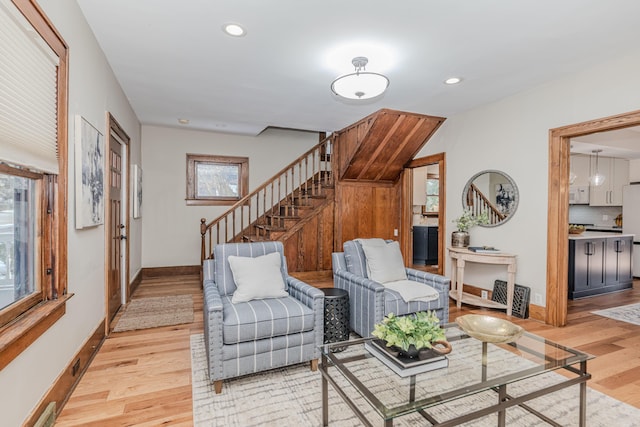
{"x":116,"y":230}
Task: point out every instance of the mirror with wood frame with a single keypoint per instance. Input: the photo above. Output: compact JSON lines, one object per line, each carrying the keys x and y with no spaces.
{"x":493,"y":192}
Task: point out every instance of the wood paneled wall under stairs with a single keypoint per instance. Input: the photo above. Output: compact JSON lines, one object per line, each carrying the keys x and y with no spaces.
{"x":366,"y":209}
{"x":309,"y":246}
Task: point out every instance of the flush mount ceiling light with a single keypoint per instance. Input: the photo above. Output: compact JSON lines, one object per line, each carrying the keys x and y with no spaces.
{"x":234,"y":30}
{"x":183,"y":121}
{"x":452,"y":80}
{"x":361,"y":84}
{"x":597,"y":178}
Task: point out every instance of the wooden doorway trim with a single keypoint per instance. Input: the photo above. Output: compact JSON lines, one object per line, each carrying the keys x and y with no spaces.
{"x":558,"y":207}
{"x":407,"y":208}
{"x":123,"y":139}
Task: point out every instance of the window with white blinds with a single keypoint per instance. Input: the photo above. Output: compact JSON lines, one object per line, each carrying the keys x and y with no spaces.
{"x":28,"y":94}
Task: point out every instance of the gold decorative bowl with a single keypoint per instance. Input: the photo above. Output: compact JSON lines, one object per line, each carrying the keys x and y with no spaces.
{"x":576,"y":229}
{"x":489,"y":329}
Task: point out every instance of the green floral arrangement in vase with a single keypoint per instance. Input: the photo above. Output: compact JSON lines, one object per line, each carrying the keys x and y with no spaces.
{"x":420,"y":330}
{"x":468,"y":220}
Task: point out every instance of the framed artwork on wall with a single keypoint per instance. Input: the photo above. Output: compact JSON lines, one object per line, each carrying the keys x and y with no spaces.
{"x":89,"y":170}
{"x":137,"y":191}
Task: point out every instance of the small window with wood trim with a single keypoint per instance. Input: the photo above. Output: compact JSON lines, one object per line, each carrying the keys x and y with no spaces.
{"x":433,"y":196}
{"x":216,"y":180}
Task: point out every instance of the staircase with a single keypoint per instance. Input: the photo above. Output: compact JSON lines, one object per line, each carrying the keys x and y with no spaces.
{"x":479,"y":203}
{"x":280,"y":207}
{"x":350,"y":185}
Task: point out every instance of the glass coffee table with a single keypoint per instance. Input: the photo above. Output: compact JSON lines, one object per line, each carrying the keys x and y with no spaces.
{"x":511,"y":373}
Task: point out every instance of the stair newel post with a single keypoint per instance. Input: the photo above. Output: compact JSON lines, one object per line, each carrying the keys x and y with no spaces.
{"x":203,"y":231}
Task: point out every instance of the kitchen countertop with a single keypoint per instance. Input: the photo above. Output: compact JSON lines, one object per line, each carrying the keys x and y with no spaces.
{"x":610,"y":228}
{"x":598,"y":234}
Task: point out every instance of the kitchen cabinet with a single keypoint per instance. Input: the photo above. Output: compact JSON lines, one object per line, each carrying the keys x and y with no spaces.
{"x":616,"y":172}
{"x":586,"y":267}
{"x":425,"y":245}
{"x":619,"y":260}
{"x":599,"y":265}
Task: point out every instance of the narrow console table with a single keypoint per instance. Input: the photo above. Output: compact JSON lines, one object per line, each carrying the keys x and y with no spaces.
{"x":460,"y":256}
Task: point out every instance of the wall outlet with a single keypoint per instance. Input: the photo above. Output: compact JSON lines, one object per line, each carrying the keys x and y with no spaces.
{"x":484,"y":294}
{"x":395,"y":232}
{"x":537,"y":299}
{"x":605,"y":217}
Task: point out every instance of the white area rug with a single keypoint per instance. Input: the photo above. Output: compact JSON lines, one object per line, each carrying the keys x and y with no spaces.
{"x":153,"y":312}
{"x":625,"y":313}
{"x":292,"y":397}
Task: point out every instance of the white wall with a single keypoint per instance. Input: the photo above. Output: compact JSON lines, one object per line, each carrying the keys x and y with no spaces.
{"x":512,"y":135}
{"x":634,"y":170}
{"x":171,"y":229}
{"x":93,"y":90}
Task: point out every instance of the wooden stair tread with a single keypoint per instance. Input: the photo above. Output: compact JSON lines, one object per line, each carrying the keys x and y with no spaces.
{"x":270,"y":227}
{"x":310,"y":196}
{"x":254,"y":238}
{"x":285,"y":217}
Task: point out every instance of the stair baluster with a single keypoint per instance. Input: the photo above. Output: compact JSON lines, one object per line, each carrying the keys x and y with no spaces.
{"x":273,"y":207}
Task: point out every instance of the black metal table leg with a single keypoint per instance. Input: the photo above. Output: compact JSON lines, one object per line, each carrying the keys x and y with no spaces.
{"x":325,"y":393}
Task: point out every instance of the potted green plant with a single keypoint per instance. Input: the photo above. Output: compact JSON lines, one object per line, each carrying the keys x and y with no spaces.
{"x":460,"y":237}
{"x":412,"y":333}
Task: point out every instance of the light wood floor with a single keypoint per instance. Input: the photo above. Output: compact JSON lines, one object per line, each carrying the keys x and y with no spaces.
{"x":143,"y":378}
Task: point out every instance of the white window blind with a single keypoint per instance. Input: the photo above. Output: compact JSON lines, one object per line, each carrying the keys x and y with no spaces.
{"x":28,"y":94}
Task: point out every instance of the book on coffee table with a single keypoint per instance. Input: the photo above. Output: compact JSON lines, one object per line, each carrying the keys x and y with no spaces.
{"x":404,"y":366}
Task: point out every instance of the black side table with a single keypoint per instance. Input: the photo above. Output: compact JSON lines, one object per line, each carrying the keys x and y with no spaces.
{"x":336,"y":315}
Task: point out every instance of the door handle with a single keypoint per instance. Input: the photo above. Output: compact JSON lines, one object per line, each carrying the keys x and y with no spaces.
{"x":587,"y":248}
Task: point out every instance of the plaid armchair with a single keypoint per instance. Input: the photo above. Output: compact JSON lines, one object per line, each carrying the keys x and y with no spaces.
{"x":261,"y":334}
{"x":370,"y":301}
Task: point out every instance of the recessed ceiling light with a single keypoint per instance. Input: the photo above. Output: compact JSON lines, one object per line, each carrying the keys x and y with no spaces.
{"x":453,"y":80}
{"x":234,"y":30}
{"x":183,"y":121}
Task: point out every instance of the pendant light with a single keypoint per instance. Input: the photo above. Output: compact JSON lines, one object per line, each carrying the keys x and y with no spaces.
{"x":360,"y":84}
{"x":597,"y":178}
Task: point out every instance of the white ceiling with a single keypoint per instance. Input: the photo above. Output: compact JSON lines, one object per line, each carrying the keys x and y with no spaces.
{"x":173,"y":60}
{"x":623,"y":143}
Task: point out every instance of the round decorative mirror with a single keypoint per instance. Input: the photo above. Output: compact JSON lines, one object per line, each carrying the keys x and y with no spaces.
{"x":493,"y":192}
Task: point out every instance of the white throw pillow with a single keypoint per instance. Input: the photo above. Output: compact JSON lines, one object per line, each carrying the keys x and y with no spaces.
{"x":384,"y":262}
{"x":257,"y":278}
